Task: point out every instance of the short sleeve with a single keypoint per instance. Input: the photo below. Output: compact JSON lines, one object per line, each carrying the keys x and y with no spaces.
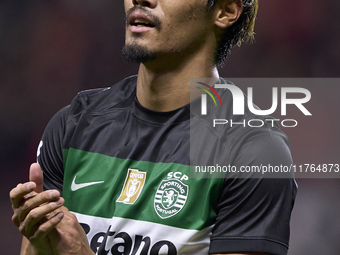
{"x":50,"y":151}
{"x":253,"y":214}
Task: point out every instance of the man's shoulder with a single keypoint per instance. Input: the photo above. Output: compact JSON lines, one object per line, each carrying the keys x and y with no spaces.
{"x":245,"y":138}
{"x":101,"y":99}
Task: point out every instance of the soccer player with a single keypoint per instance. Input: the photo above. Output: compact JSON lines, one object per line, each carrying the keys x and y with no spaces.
{"x":114,"y":166}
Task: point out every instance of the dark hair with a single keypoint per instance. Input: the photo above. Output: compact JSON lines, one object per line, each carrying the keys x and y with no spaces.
{"x":242,"y":29}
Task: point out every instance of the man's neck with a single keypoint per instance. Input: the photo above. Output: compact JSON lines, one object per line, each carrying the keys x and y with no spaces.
{"x":166,"y":88}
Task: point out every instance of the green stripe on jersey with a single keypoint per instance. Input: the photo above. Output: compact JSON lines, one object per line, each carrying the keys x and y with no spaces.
{"x":104,"y":186}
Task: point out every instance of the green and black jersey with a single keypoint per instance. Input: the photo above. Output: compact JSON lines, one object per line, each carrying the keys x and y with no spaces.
{"x":124,"y":171}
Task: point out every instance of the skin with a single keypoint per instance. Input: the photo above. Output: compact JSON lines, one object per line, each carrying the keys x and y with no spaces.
{"x":160,"y":84}
{"x":163,"y":85}
{"x":47,"y":226}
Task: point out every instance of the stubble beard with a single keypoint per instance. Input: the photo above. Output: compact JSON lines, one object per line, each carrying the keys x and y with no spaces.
{"x":137,"y":54}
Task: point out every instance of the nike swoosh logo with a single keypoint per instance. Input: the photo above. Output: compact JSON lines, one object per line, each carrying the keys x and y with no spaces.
{"x":75,"y":186}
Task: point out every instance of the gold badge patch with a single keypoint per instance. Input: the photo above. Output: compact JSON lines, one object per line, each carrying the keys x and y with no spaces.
{"x":133,"y":186}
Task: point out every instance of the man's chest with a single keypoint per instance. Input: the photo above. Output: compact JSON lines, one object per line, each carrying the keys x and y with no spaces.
{"x":131,"y":182}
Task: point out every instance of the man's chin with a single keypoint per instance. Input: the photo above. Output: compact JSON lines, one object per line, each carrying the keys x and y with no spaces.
{"x":137,"y":54}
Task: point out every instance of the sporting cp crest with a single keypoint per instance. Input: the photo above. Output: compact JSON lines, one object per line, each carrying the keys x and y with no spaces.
{"x":133,"y":186}
{"x":170,"y":198}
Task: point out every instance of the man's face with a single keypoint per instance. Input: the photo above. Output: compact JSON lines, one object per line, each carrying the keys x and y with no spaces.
{"x":157,"y":28}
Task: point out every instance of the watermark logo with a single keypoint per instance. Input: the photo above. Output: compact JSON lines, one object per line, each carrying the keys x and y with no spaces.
{"x":239,"y":102}
{"x":204,"y":96}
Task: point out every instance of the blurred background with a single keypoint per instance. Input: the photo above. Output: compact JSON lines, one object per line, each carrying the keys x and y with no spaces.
{"x":50,"y":50}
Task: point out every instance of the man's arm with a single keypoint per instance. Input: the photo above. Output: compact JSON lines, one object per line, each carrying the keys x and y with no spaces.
{"x":254,"y":213}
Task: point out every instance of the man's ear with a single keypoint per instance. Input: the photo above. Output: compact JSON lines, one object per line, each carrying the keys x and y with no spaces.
{"x":227,"y":12}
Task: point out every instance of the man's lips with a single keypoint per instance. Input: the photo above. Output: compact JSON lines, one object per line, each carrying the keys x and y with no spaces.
{"x":140,"y":22}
